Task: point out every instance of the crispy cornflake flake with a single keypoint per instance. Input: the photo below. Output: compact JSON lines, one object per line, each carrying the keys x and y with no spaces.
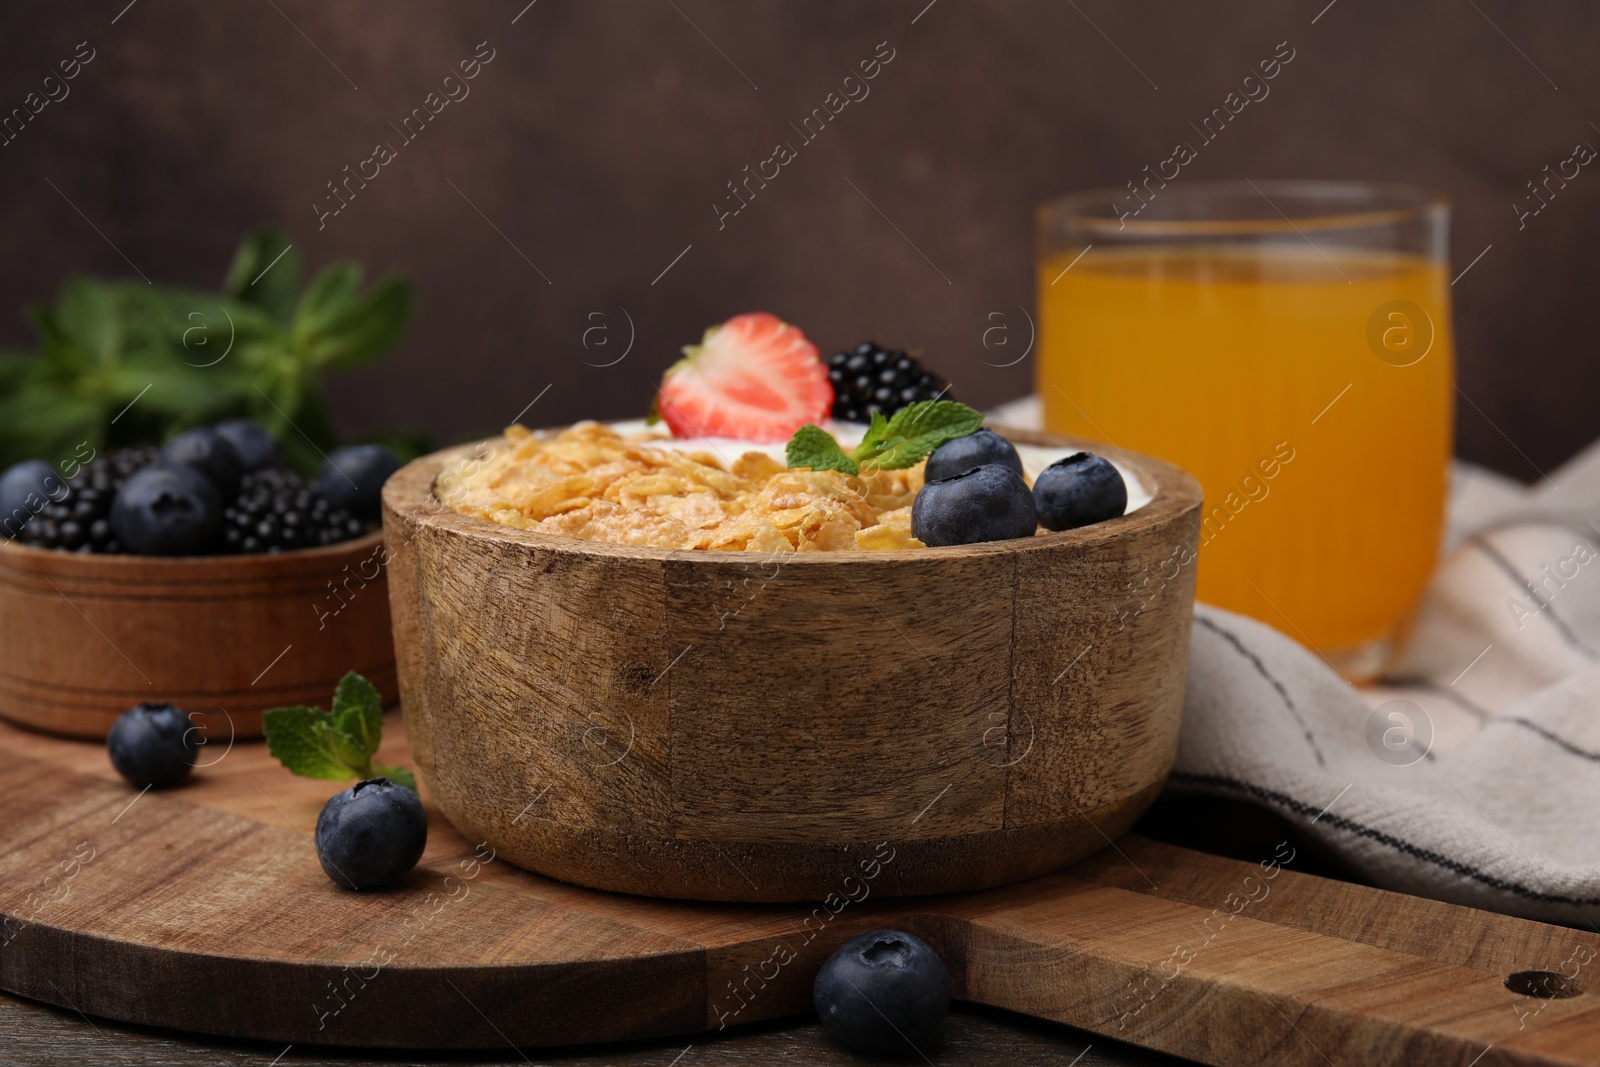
{"x":591,"y":482}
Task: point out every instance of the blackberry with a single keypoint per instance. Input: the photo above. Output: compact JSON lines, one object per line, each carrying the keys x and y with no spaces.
{"x":81,"y":520}
{"x":276,"y":511}
{"x":869,"y":378}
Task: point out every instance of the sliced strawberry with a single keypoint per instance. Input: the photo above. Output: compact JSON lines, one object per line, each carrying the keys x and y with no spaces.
{"x":754,"y":378}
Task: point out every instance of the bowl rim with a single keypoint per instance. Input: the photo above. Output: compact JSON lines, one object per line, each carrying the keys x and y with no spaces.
{"x":408,"y":497}
{"x":32,"y":557}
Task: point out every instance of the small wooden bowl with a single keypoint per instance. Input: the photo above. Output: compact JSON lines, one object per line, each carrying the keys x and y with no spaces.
{"x":85,"y":637}
{"x":733,"y":726}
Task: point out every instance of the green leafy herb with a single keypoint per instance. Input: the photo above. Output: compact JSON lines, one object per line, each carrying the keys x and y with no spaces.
{"x":914,"y":432}
{"x":812,"y":446}
{"x":123,"y":362}
{"x":336,"y":745}
{"x":902,"y":440}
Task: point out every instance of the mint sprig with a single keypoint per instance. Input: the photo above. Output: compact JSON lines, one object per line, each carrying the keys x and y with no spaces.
{"x":899,"y":441}
{"x":812,"y":446}
{"x":127,"y":362}
{"x":335,"y":745}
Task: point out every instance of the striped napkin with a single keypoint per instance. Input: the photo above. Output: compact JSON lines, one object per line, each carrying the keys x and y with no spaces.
{"x":1471,"y":771}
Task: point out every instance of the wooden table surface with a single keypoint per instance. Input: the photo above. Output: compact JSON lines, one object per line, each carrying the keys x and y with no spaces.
{"x":37,"y":1034}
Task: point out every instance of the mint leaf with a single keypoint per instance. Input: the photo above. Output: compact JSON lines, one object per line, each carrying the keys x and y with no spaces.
{"x":265,"y":272}
{"x":363,"y":328}
{"x":877,"y":433}
{"x":914,"y":432}
{"x":329,"y":296}
{"x":302,"y":739}
{"x":397,"y":775}
{"x":812,"y":446}
{"x":358,"y":713}
{"x":337,"y":745}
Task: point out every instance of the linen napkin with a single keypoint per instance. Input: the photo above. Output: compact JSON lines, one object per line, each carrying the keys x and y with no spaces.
{"x":1471,"y":771}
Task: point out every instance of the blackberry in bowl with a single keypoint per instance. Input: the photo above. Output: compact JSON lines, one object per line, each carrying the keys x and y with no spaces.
{"x":277,"y":511}
{"x":270,"y":510}
{"x":81,"y":520}
{"x":870,"y":378}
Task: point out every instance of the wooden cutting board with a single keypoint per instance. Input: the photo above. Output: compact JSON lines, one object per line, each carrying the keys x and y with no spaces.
{"x":204,"y":908}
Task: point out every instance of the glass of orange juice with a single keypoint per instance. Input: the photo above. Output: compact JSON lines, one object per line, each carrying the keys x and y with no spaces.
{"x":1288,"y":343}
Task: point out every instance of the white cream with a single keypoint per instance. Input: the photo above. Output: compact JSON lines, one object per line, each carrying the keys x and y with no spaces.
{"x":1035,"y":458}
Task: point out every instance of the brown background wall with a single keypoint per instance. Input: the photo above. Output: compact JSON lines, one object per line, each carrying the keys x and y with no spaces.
{"x":601,"y":134}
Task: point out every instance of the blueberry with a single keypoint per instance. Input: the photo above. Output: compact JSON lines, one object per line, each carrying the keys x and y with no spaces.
{"x":210,"y":453}
{"x":26,"y":489}
{"x":258,"y":449}
{"x":352,"y":478}
{"x":1079,"y":490}
{"x":974,"y":450}
{"x":152,"y":744}
{"x":987,"y":503}
{"x":884,"y":992}
{"x":167,"y":510}
{"x":371,"y":834}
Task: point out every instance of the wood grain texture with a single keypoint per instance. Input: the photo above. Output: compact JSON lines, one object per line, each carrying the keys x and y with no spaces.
{"x":204,"y":909}
{"x":85,"y":637}
{"x":746,"y":727}
{"x":45,"y":1036}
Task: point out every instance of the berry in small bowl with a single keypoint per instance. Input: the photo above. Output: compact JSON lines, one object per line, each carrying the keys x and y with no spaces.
{"x":26,"y":489}
{"x":258,"y":449}
{"x":80,"y":519}
{"x":210,"y":453}
{"x":352,"y":479}
{"x":276,"y":511}
{"x":167,"y":510}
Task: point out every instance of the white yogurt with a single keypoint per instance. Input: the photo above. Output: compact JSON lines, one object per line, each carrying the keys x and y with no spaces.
{"x":1035,"y":458}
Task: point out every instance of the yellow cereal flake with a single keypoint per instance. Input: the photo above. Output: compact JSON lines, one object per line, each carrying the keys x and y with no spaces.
{"x":887,"y":535}
{"x":591,"y":482}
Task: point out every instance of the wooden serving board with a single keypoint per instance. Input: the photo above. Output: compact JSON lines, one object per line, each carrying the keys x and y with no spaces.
{"x":204,"y":908}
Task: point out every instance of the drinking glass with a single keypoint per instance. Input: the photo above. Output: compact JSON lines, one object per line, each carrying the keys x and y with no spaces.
{"x":1289,"y":344}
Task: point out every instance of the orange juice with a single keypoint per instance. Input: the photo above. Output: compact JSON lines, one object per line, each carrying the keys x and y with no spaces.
{"x":1310,"y":392}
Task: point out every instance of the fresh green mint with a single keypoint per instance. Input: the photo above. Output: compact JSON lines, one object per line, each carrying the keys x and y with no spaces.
{"x":336,"y":745}
{"x":127,"y":362}
{"x":901,"y":440}
{"x":913,"y":432}
{"x":812,"y":446}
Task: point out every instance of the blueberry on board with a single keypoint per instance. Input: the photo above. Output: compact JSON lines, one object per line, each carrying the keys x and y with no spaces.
{"x":1079,"y":490}
{"x":371,"y":834}
{"x":167,"y":510}
{"x":988,"y":503}
{"x":26,"y":489}
{"x":352,"y":478}
{"x":884,"y":992}
{"x":210,"y":453}
{"x":258,"y":449}
{"x":961,"y":454}
{"x":152,"y":744}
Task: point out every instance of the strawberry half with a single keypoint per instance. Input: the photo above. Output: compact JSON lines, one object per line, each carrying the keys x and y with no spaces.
{"x":754,"y":378}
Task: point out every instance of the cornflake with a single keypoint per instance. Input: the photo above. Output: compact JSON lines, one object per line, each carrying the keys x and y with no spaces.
{"x":591,"y":482}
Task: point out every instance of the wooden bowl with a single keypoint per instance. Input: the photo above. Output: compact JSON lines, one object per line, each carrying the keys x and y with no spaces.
{"x":743,"y":727}
{"x":85,"y":637}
